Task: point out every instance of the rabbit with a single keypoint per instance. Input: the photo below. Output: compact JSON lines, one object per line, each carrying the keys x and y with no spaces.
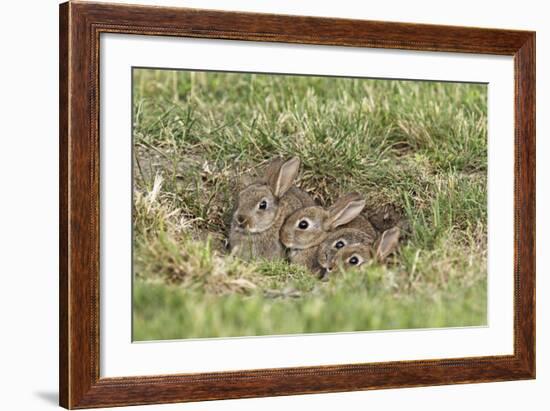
{"x":341,"y":238}
{"x":305,"y":229}
{"x":261,"y":209}
{"x":355,"y":254}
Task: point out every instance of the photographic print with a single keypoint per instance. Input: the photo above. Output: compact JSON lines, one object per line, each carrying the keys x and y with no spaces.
{"x":254,"y":205}
{"x":273,"y":204}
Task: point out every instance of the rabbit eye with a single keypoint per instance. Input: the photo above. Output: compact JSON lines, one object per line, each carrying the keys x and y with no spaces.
{"x":354,"y":260}
{"x":339,"y":244}
{"x":262,"y":205}
{"x":303,"y":224}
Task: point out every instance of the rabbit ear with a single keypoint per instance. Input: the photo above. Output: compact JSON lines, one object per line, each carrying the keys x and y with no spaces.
{"x":388,"y":243}
{"x":344,"y":200}
{"x":344,"y":213}
{"x":281,"y":178}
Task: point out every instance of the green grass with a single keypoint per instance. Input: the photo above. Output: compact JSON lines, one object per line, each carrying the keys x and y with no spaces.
{"x":419,"y":145}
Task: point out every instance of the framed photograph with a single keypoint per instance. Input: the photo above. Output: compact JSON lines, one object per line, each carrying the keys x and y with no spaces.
{"x":259,"y":205}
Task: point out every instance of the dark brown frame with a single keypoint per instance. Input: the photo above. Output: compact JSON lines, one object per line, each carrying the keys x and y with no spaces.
{"x":80,"y":27}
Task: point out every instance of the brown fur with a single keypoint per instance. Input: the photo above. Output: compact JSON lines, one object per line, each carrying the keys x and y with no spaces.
{"x":362,"y":252}
{"x":348,"y":236}
{"x":254,"y":232}
{"x":303,"y":243}
{"x":306,"y":258}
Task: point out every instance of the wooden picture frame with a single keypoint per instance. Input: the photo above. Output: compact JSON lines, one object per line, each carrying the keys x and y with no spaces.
{"x":80,"y":27}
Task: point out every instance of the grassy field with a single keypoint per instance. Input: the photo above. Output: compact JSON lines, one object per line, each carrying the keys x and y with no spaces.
{"x":421,"y":146}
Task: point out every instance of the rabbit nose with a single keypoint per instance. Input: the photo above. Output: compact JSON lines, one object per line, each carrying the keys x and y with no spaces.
{"x":241,"y":219}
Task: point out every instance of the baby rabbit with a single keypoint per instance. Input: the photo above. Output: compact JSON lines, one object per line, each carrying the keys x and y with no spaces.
{"x":339,"y":239}
{"x":356,"y":254}
{"x":308,"y":227}
{"x":262,"y":207}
